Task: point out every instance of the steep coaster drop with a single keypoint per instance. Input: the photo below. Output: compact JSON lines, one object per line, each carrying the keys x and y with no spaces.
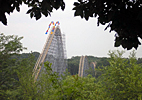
{"x":54,"y":51}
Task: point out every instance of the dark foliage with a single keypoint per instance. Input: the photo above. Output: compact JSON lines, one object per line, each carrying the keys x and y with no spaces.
{"x":26,"y":55}
{"x":121,"y":16}
{"x":73,"y":65}
{"x":37,"y":7}
{"x":139,"y":61}
{"x":9,"y":46}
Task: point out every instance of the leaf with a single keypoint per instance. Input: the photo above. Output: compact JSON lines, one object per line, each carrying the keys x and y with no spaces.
{"x":37,"y":15}
{"x":79,"y":12}
{"x":63,"y":6}
{"x":56,"y":5}
{"x":107,"y":26}
{"x":95,"y":15}
{"x":87,"y":15}
{"x":3,"y":18}
{"x":117,"y":43}
{"x":80,"y":0}
{"x":45,"y":13}
{"x":136,"y":43}
{"x":76,"y":4}
{"x":31,"y":14}
{"x":46,"y":6}
{"x":98,"y":22}
{"x":29,"y":11}
{"x":124,"y":44}
{"x":18,"y":8}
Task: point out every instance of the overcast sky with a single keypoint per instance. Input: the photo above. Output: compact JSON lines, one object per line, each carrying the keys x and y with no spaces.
{"x":82,"y":37}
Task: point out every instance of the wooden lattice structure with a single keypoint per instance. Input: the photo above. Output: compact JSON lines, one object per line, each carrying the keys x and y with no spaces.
{"x":54,"y":51}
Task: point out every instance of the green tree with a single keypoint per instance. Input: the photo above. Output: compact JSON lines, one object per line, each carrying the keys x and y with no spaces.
{"x":26,"y":89}
{"x":139,"y":61}
{"x":91,"y":72}
{"x":76,"y":88}
{"x":9,"y":45}
{"x":36,"y":7}
{"x":122,"y":79}
{"x":31,"y":89}
{"x":121,"y":16}
{"x":73,"y":65}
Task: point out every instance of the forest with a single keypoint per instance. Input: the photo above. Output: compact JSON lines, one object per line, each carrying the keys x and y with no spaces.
{"x":118,"y":78}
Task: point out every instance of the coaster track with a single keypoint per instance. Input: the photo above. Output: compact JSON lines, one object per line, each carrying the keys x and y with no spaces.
{"x":54,"y":52}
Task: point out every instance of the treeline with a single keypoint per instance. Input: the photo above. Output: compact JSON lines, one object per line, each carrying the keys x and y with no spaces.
{"x":73,"y":63}
{"x":25,"y":55}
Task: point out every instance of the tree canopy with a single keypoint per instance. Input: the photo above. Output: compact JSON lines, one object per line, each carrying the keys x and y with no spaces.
{"x":36,"y":7}
{"x":9,"y":46}
{"x":121,"y":16}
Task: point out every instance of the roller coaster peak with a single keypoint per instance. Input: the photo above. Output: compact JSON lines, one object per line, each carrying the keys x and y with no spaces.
{"x":54,"y":25}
